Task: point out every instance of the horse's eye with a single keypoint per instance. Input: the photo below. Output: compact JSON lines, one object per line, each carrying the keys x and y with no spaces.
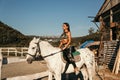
{"x":33,"y":47}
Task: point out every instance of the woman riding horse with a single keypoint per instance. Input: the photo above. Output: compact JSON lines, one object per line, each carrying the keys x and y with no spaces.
{"x":65,"y":46}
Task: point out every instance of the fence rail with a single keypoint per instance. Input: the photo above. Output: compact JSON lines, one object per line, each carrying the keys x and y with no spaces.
{"x":13,"y":50}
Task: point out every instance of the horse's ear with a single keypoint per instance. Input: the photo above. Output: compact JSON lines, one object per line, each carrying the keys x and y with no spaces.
{"x":38,"y":39}
{"x":34,"y":38}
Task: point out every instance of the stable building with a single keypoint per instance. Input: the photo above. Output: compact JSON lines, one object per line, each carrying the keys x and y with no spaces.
{"x":109,"y":18}
{"x":110,"y":13}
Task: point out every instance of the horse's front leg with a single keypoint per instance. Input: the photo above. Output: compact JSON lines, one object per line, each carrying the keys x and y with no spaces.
{"x":50,"y":76}
{"x":57,"y":76}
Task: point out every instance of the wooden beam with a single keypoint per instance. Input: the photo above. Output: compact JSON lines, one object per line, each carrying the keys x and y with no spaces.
{"x":117,"y":62}
{"x":111,"y":21}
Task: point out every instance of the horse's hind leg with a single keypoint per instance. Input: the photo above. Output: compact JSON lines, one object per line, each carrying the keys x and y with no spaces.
{"x":50,"y":76}
{"x":84,"y":73}
{"x":90,"y":74}
{"x":90,"y":70}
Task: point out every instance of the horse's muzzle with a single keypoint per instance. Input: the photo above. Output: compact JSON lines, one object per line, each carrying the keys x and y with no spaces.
{"x":29,"y":60}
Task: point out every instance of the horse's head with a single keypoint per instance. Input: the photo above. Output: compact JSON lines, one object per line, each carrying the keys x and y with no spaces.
{"x":33,"y":50}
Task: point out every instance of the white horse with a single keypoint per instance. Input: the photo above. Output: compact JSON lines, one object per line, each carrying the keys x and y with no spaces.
{"x":56,"y":66}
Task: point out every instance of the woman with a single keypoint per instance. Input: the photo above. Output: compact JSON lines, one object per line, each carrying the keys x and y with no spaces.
{"x":65,"y":45}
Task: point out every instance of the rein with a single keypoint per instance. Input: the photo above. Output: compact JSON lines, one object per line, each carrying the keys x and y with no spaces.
{"x":31,"y":55}
{"x":51,"y":54}
{"x":38,"y":50}
{"x":38,"y":45}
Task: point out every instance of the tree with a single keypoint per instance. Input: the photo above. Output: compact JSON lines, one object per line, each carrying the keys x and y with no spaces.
{"x":91,"y":30}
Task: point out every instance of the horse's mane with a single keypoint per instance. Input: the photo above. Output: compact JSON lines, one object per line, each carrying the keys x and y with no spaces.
{"x":46,"y":43}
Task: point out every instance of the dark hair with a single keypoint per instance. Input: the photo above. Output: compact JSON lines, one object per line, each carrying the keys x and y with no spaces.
{"x":67,"y":24}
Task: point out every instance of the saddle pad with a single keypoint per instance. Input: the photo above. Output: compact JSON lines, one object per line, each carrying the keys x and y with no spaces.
{"x":76,"y":53}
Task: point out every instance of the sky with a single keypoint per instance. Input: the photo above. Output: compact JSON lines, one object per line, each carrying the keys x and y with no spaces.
{"x":45,"y":17}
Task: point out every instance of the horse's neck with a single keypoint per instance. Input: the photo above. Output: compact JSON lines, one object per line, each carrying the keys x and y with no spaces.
{"x":47,"y":49}
{"x":54,"y":59}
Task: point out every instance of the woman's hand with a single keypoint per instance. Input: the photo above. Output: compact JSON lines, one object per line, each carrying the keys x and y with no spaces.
{"x":64,"y":47}
{"x":61,"y":49}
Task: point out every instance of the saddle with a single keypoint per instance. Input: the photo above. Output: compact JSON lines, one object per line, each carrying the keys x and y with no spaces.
{"x":75,"y":55}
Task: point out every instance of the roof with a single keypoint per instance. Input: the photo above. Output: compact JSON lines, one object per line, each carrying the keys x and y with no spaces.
{"x":86,"y":43}
{"x":107,"y":5}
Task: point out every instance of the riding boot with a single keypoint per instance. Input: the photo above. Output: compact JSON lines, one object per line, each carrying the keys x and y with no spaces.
{"x":66,"y":67}
{"x":65,"y":55}
{"x":70,"y":59}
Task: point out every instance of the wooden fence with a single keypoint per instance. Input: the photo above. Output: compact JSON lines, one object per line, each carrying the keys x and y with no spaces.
{"x":13,"y":51}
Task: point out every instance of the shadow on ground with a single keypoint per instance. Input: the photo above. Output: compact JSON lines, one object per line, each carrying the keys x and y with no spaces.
{"x":70,"y":76}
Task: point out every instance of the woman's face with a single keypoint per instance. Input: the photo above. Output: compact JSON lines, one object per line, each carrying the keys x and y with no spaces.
{"x":65,"y":27}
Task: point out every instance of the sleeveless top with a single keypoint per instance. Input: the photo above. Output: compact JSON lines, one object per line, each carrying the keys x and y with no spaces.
{"x":63,"y":36}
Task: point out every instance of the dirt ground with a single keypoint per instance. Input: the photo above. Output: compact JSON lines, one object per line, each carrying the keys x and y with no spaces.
{"x":23,"y":68}
{"x":106,"y":74}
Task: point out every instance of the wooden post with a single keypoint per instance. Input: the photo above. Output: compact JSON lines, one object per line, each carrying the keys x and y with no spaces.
{"x":22,"y":52}
{"x":8,"y":52}
{"x":111,"y":20}
{"x":15,"y":52}
{"x":102,"y":25}
{"x":117,"y":62}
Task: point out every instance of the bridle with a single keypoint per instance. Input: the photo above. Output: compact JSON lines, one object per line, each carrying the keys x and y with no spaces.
{"x":39,"y":51}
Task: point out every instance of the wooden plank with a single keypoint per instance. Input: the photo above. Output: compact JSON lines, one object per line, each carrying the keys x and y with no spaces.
{"x":110,"y":52}
{"x":117,"y":63}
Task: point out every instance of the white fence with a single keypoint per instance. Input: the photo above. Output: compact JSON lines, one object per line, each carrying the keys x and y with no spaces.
{"x":8,"y":51}
{"x":13,"y":51}
{"x":18,"y":51}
